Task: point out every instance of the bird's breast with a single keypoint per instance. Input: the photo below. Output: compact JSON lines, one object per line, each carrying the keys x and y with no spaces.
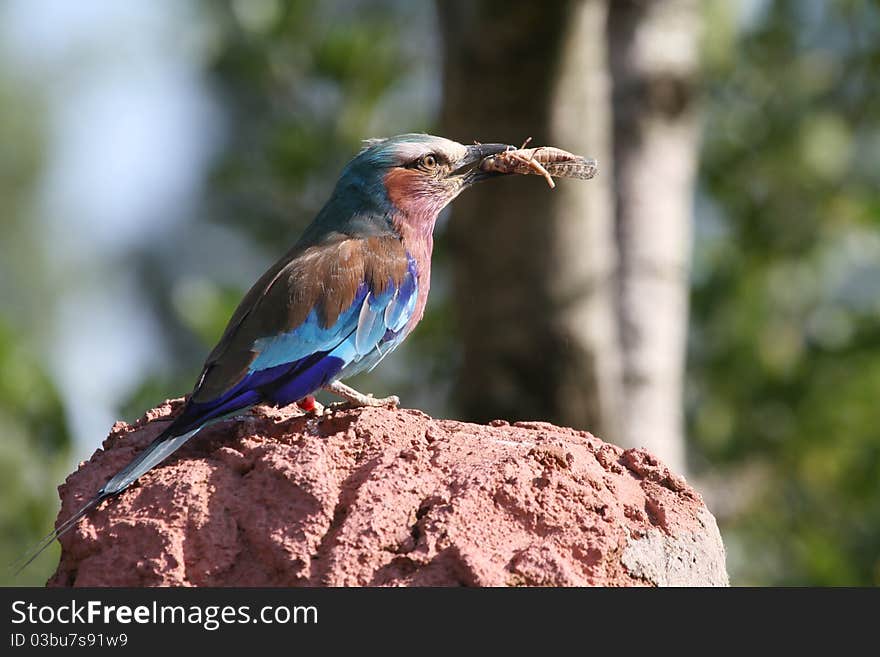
{"x":419,"y":247}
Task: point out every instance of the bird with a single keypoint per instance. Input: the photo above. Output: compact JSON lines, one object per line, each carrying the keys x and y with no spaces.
{"x":347,"y":293}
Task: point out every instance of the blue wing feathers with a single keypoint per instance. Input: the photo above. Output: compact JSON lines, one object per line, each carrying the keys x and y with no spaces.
{"x":400,"y":308}
{"x":294,"y":364}
{"x":308,"y":338}
{"x":371,"y":326}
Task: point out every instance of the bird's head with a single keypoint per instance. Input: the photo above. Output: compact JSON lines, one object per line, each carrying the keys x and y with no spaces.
{"x":418,"y":174}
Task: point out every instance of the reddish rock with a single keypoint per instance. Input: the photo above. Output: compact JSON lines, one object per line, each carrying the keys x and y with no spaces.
{"x":383,"y":497}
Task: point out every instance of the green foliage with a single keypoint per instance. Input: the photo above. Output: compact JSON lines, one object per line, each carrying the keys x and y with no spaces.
{"x":34,"y":456}
{"x":34,"y":439}
{"x":301,"y":92}
{"x":784,"y":360}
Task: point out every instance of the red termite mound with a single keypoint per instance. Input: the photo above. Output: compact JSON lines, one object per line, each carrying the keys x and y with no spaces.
{"x":385,"y":497}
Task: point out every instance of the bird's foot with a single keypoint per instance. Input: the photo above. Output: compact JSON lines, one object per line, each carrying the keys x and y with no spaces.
{"x":392,"y":401}
{"x":355,"y":399}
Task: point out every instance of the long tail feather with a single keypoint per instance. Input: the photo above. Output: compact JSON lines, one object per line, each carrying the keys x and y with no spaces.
{"x":50,"y":538}
{"x":156,"y":452}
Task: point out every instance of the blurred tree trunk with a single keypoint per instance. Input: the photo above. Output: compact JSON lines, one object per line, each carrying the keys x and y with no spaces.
{"x":534,"y":267}
{"x":653,"y":48}
{"x":548,"y":330}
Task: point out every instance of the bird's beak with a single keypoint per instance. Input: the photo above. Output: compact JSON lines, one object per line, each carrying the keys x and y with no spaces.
{"x":475,"y":154}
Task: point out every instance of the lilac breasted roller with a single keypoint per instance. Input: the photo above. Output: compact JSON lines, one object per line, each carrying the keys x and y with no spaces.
{"x":347,"y":293}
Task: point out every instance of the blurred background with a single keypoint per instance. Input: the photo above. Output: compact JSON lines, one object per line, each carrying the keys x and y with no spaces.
{"x":714,"y":294}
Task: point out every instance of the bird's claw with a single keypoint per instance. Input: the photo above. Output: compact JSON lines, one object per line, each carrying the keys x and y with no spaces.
{"x":363,"y":401}
{"x":391,"y":401}
{"x":355,"y":399}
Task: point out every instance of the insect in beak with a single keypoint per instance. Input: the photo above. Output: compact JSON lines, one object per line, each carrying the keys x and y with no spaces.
{"x":545,"y":161}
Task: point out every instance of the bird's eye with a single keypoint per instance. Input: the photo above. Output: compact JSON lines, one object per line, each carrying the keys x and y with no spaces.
{"x":429,"y":162}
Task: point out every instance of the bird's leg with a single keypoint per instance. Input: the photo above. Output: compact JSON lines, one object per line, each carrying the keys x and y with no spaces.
{"x":355,"y":399}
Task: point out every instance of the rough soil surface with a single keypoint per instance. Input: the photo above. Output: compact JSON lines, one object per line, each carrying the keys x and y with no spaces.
{"x":382,"y":497}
